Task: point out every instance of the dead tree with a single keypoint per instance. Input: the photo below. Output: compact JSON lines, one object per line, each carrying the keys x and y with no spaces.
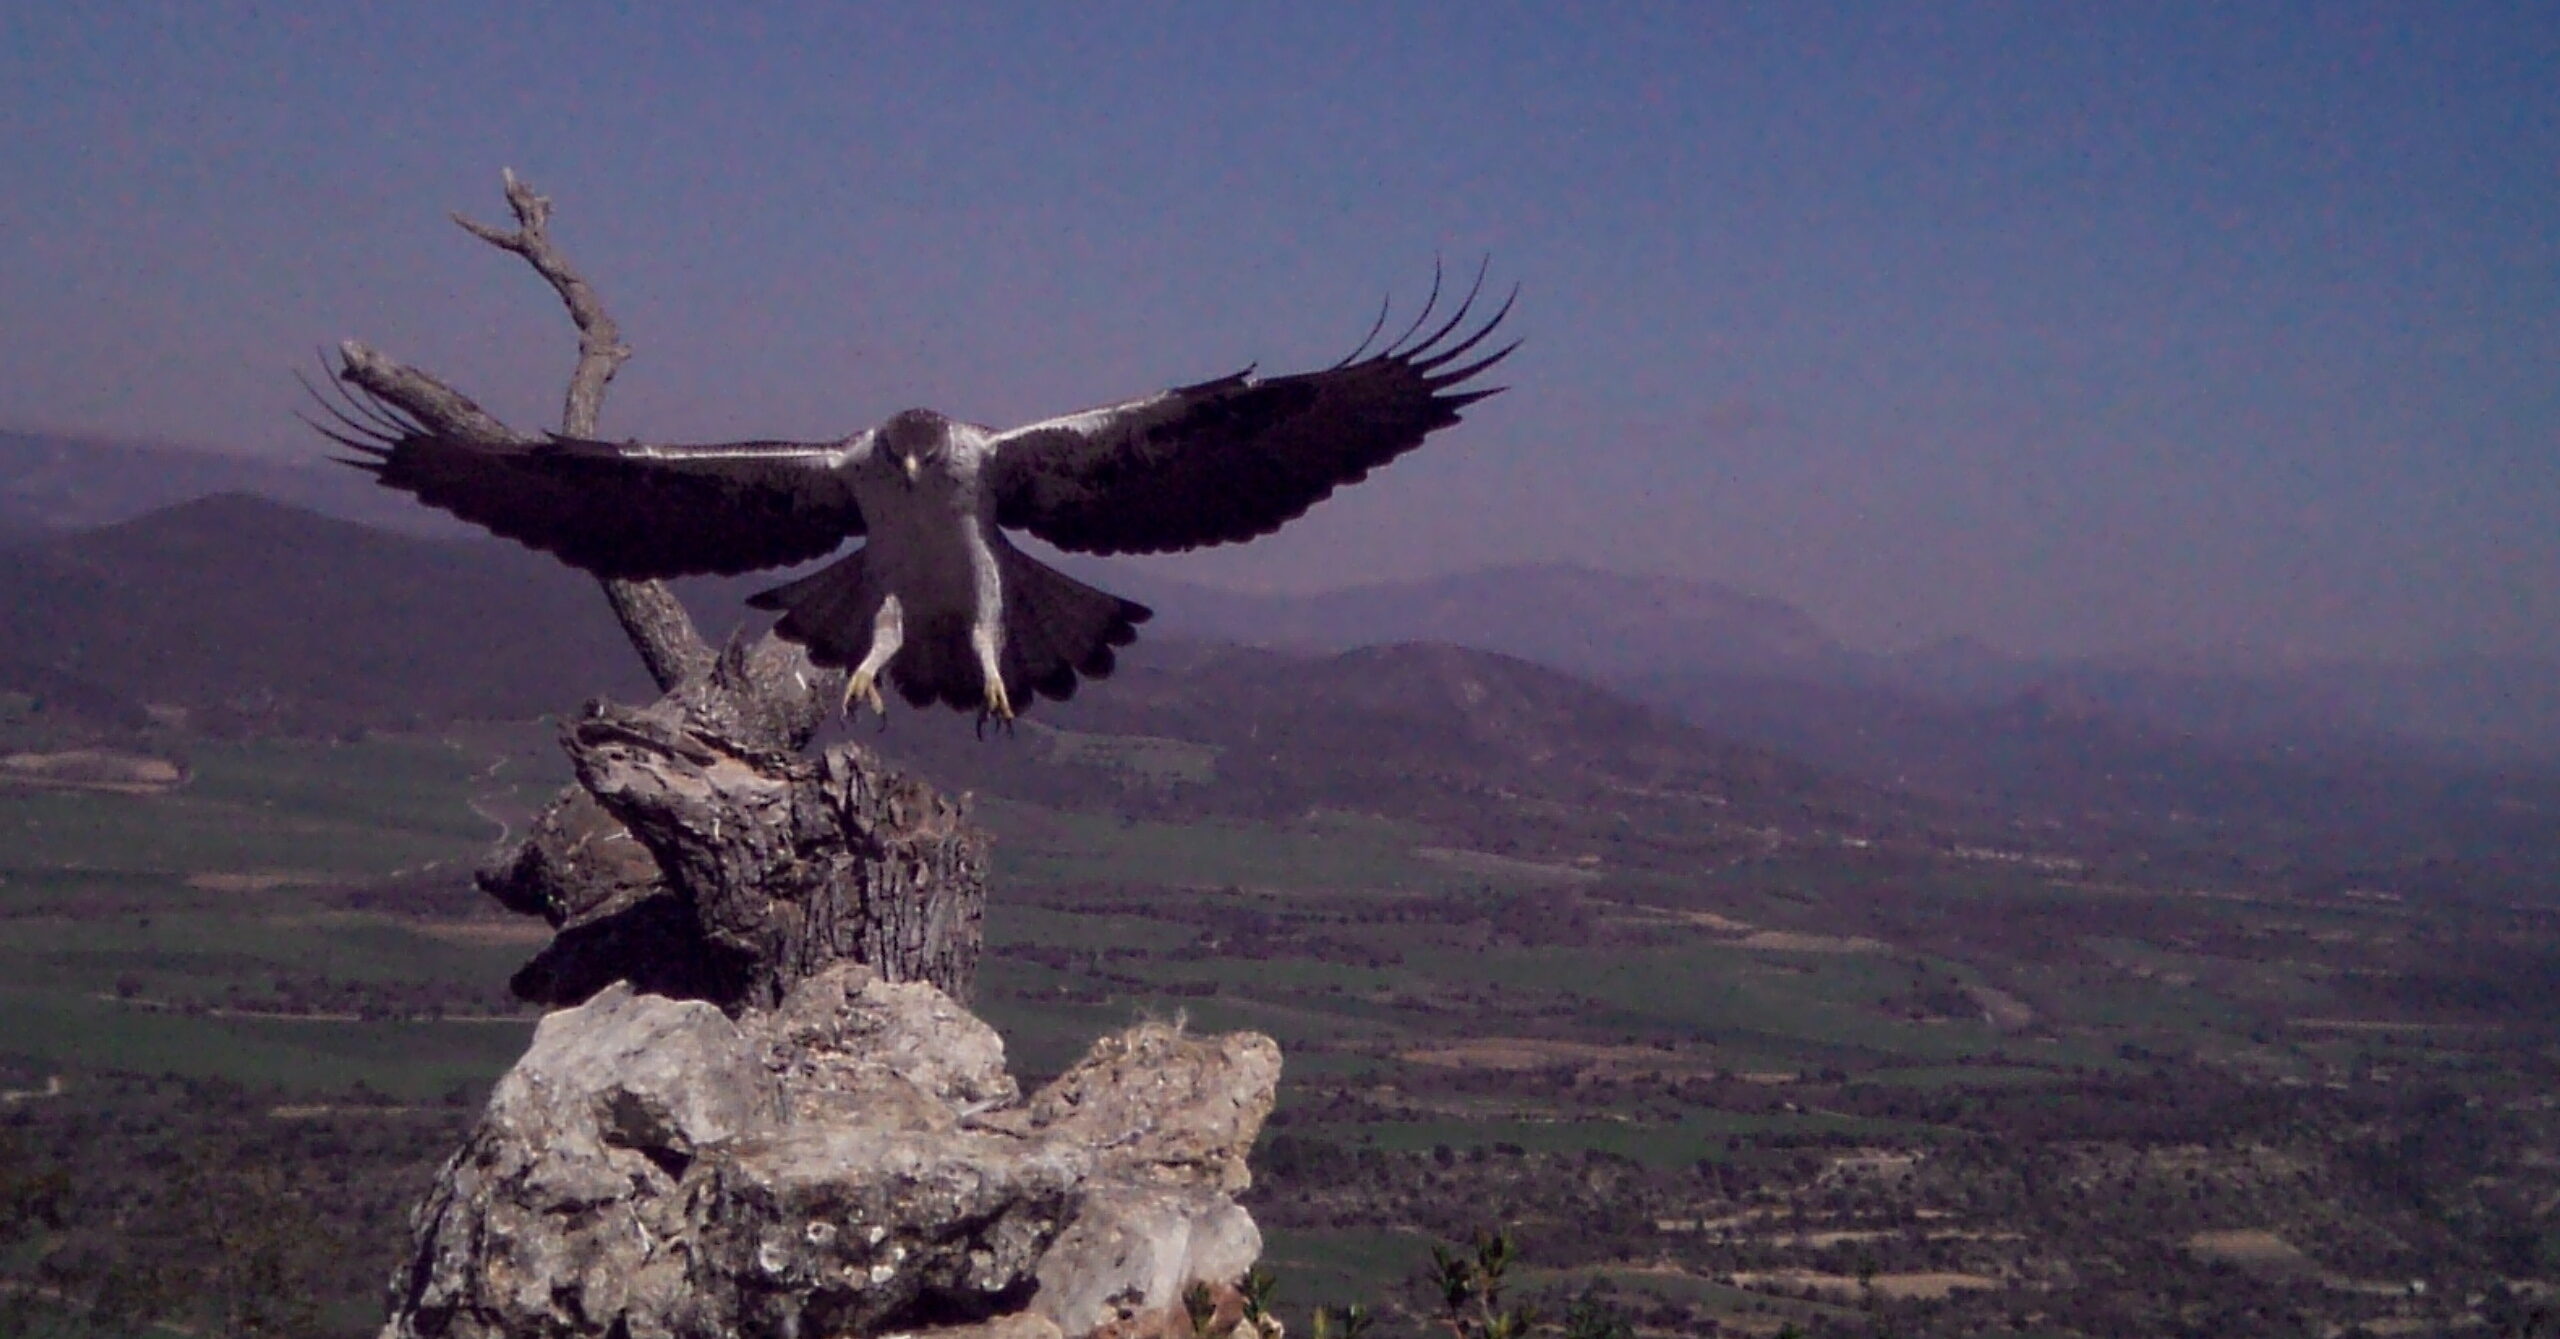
{"x":701,"y":854}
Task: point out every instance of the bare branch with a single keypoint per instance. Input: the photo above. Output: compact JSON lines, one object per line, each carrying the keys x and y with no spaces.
{"x":651,"y":616}
{"x":655,"y":621}
{"x":779,"y":697}
{"x":436,"y":406}
{"x":661,"y":630}
{"x":601,"y":351}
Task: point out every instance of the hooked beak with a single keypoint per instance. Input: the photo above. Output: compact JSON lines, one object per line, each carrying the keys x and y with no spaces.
{"x":910,"y":463}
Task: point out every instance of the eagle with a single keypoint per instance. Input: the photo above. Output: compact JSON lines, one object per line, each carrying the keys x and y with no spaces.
{"x":937,"y":601}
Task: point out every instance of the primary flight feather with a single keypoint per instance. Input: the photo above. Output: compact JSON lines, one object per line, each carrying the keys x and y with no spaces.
{"x":937,"y":601}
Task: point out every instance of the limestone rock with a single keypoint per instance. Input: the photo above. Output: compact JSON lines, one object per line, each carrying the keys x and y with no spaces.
{"x":1132,"y":1251}
{"x":1180,"y":1108}
{"x":1020,"y":1325}
{"x":854,"y":1161}
{"x":847,"y":1032}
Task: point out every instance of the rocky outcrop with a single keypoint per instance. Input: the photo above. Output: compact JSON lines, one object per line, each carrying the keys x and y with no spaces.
{"x":853,"y":1161}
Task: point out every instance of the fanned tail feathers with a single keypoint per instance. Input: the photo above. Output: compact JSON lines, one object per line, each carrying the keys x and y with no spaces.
{"x":828,"y":611}
{"x":1057,"y":630}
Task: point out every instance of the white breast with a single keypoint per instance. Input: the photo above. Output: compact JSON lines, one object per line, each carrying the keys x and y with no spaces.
{"x":927,"y":542}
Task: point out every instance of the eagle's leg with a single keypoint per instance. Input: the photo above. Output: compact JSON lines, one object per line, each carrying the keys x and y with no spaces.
{"x":982,"y":639}
{"x":888,"y":633}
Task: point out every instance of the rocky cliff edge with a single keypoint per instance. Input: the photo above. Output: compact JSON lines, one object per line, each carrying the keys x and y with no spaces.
{"x":853,"y":1162}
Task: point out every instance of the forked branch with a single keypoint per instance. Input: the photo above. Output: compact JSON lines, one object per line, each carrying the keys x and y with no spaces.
{"x":770,"y":690}
{"x":651,"y":616}
{"x":601,"y":351}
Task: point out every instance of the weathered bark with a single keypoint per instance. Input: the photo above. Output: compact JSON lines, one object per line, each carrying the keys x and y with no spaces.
{"x":791,"y":864}
{"x":762,"y":867}
{"x":660,"y":629}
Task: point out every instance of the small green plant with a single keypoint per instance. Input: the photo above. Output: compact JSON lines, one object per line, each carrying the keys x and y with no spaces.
{"x":1257,"y":1286}
{"x":1589,"y":1317}
{"x":1471,"y":1289}
{"x":1201,"y":1306}
{"x":1469,"y":1285}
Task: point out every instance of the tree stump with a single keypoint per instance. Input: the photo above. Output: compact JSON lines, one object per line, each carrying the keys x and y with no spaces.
{"x":754,"y":868}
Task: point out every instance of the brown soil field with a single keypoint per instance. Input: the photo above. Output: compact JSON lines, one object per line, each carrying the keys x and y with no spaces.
{"x":1517,"y":1053}
{"x":94,"y":769}
{"x":1933,"y":1285}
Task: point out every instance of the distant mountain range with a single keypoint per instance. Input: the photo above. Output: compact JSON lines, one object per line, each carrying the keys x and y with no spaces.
{"x":252,"y":615}
{"x":248,"y":615}
{"x":1719,"y":656}
{"x":240,"y":615}
{"x":1601,"y":625}
{"x":52,"y":484}
{"x":1522,"y":759}
{"x":1688,"y":644}
{"x":1666,"y":638}
{"x":2345,"y":776}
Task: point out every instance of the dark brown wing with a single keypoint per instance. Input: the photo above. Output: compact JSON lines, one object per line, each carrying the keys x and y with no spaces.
{"x":621,"y":509}
{"x":1234,"y":458}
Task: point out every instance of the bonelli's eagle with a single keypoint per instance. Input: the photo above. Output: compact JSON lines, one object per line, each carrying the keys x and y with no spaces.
{"x":937,"y":600}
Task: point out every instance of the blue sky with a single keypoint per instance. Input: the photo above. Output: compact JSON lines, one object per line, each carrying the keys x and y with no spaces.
{"x":2073,"y":327}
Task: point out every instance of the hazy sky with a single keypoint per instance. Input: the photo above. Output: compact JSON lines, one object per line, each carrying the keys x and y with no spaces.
{"x":2074,"y":327}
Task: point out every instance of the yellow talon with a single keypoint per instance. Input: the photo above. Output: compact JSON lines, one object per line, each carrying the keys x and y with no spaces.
{"x":998,"y":705}
{"x":866,"y":688}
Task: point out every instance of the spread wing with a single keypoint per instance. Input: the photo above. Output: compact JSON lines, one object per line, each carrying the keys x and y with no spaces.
{"x":1237,"y":457}
{"x":619,"y":509}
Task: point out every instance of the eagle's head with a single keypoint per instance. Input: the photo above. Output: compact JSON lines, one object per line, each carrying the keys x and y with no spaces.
{"x":913,"y":439}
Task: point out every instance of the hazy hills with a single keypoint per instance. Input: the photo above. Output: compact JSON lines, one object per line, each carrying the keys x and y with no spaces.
{"x":1521,"y":757}
{"x":254,"y":616}
{"x":1680,"y":641}
{"x":52,"y":484}
{"x":1669,"y":640}
{"x":250,"y":615}
{"x":1601,"y":625}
